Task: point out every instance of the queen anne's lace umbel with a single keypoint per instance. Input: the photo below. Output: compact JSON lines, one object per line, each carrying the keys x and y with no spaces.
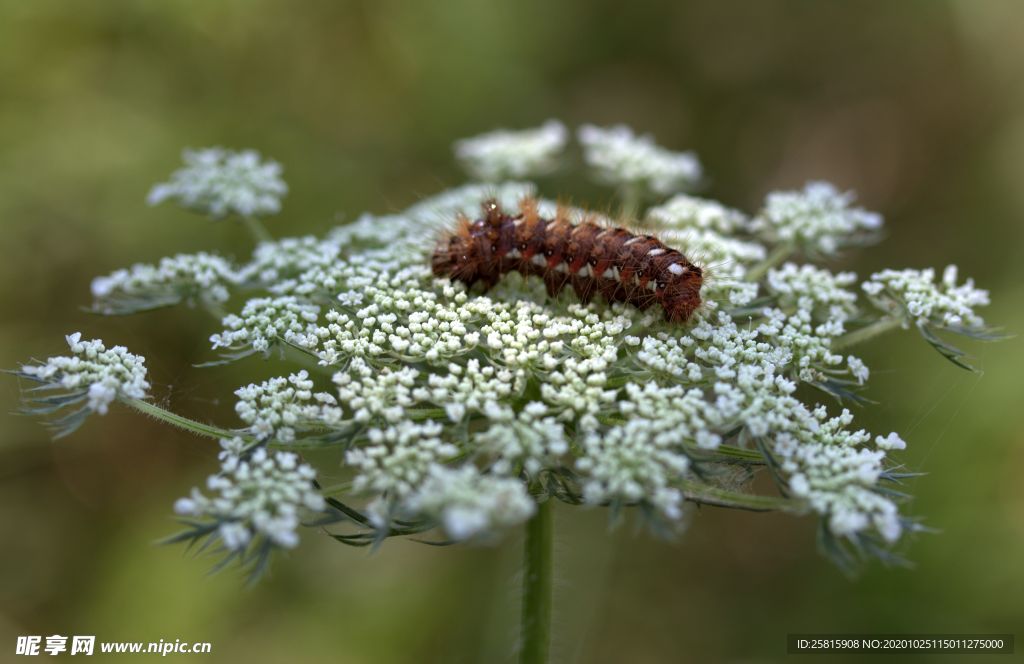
{"x":819,"y":218}
{"x":101,"y":373}
{"x":504,"y":154}
{"x":464,"y":409}
{"x":916,"y":293}
{"x":260,"y":494}
{"x":622,"y":159}
{"x":219,"y":182}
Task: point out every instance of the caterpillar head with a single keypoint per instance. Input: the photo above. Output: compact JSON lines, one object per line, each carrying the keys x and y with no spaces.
{"x":679,"y":290}
{"x":453,"y":257}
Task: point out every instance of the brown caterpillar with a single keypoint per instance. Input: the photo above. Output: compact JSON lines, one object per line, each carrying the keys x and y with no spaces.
{"x":619,"y":265}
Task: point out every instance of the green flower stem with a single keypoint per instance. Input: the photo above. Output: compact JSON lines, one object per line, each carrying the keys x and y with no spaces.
{"x":303,"y":357}
{"x":215,"y":310}
{"x":196,"y":427}
{"x":632,"y":195}
{"x":751,"y":456}
{"x":705,"y":495}
{"x":779,"y":254}
{"x":258,"y":231}
{"x":870,"y":332}
{"x":177,"y":420}
{"x":336,"y":489}
{"x":538,"y":574}
{"x":420,"y":414}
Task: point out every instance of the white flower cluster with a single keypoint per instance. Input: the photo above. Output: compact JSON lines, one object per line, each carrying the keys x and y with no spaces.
{"x":503,"y":154}
{"x":814,"y":288}
{"x":265,"y":321}
{"x":408,"y":324}
{"x":398,"y":458}
{"x":837,"y":478}
{"x":177,"y":278}
{"x":915,"y":295}
{"x":474,"y":388}
{"x":738,"y":368}
{"x":103,"y":373}
{"x":683,"y":211}
{"x":529,"y":439}
{"x":262,"y":495}
{"x":369,"y":394}
{"x":637,"y":461}
{"x":219,"y":182}
{"x":468,"y":502}
{"x":824,"y":462}
{"x":621,"y":159}
{"x":310,"y":267}
{"x":273,"y":264}
{"x":806,"y":345}
{"x":277,"y":407}
{"x":819,"y":219}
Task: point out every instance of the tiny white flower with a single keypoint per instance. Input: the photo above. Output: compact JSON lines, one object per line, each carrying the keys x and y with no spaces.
{"x":100,"y":395}
{"x":857,"y":368}
{"x":949,"y":276}
{"x":234,"y":535}
{"x":185,"y":507}
{"x":891,"y":442}
{"x":462,"y":522}
{"x":799,"y":484}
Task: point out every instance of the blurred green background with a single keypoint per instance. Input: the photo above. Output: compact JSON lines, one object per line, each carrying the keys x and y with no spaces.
{"x":918,"y":105}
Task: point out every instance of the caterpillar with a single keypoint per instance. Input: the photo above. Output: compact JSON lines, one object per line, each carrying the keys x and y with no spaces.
{"x":621,"y":266}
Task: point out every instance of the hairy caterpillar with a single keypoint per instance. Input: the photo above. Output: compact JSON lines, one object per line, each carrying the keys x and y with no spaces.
{"x":619,"y":265}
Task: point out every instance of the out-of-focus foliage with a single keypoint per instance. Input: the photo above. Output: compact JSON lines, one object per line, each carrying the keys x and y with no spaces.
{"x":918,"y":106}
